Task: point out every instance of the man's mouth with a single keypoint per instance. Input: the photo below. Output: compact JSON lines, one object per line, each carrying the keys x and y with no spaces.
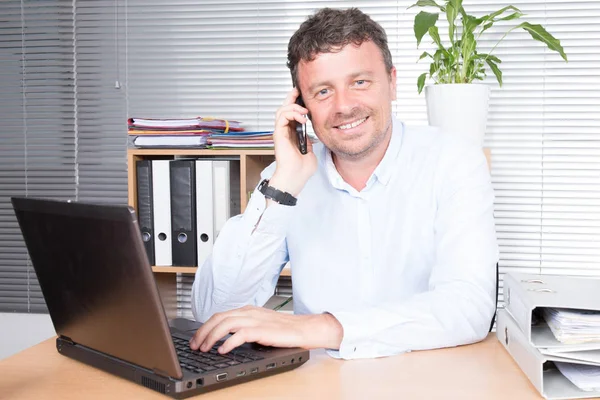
{"x":353,"y":124}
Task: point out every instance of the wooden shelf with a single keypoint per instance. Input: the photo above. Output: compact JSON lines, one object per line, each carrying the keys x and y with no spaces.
{"x":200,"y":152}
{"x":192,"y":270}
{"x":174,"y":270}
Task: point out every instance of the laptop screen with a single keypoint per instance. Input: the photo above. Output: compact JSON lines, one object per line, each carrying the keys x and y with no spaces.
{"x":96,"y":279}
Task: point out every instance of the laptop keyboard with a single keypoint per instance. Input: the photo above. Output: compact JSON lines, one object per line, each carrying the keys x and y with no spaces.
{"x":199,"y":362}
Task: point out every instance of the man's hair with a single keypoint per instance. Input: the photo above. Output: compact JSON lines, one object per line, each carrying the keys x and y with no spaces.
{"x":329,"y":31}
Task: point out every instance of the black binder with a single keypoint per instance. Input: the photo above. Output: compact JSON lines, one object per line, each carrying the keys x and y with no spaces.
{"x":144,"y":205}
{"x":183,"y":212}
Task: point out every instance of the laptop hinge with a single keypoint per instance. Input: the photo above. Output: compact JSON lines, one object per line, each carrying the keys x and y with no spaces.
{"x":161,"y":373}
{"x":67,"y":339}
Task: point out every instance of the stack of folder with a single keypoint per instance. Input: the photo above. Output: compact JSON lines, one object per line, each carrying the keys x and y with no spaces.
{"x":182,"y":206}
{"x":551,"y":327}
{"x":241,"y":140}
{"x":173,"y":133}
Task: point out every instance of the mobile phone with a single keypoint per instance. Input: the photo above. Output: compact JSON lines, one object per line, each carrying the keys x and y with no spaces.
{"x":301,"y":129}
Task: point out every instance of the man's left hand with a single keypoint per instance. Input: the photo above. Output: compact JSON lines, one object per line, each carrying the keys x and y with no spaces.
{"x":269,"y":328}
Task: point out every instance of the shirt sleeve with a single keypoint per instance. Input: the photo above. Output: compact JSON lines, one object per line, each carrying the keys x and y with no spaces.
{"x":460,"y":303}
{"x":246,"y":261}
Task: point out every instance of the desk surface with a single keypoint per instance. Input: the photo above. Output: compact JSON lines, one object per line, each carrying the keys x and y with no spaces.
{"x":480,"y":371}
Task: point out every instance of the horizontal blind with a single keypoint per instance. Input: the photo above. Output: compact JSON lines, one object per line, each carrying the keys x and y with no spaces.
{"x":543,"y":131}
{"x":37,"y":156}
{"x":101,"y":109}
{"x":63,"y":134}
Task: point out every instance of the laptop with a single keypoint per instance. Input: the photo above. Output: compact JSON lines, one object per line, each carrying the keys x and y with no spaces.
{"x":106,"y":309}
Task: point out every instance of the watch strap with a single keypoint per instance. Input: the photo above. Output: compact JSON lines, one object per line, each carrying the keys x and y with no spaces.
{"x":276,"y":195}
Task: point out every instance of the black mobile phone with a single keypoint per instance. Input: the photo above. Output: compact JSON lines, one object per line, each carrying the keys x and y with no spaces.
{"x":301,"y":130}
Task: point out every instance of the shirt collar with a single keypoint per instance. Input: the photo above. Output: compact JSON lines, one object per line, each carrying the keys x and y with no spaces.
{"x":383,"y":171}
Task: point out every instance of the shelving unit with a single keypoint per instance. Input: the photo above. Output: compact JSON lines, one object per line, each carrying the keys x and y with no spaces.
{"x":252,"y":162}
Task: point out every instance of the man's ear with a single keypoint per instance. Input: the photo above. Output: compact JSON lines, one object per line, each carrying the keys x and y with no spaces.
{"x":392,"y":79}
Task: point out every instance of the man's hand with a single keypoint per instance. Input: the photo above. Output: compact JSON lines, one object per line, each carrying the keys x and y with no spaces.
{"x":269,"y":328}
{"x":293,"y":168}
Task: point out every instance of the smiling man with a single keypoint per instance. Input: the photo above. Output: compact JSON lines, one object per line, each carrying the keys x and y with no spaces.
{"x":389,"y":229}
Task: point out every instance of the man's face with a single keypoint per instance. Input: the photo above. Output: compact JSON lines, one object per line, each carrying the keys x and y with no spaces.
{"x":349,"y":95}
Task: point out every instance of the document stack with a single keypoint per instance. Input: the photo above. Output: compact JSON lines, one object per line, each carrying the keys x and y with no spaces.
{"x":551,"y":327}
{"x":175,"y":133}
{"x":182,"y":206}
{"x":241,"y":140}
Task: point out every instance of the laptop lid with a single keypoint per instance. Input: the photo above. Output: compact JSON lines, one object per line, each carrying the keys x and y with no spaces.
{"x":96,"y":279}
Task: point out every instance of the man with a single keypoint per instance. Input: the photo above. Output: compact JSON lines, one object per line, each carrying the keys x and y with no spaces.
{"x":391,"y":242}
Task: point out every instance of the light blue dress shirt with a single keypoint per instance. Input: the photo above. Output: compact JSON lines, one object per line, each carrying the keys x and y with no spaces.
{"x":407,"y":263}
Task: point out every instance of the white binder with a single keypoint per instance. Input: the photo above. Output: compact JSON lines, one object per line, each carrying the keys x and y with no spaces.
{"x":538,"y":367}
{"x":205,"y":228}
{"x":525,"y":294}
{"x":161,"y":193}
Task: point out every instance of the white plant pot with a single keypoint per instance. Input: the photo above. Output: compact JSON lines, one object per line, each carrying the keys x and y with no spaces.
{"x":459,"y":109}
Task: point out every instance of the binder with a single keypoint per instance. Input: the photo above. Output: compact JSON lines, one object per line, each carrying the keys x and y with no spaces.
{"x":183,"y":212}
{"x":204,"y":209}
{"x":161,"y":199}
{"x":217,"y":200}
{"x":226,"y":192}
{"x":526,"y":294}
{"x":144,"y":205}
{"x":539,"y":368}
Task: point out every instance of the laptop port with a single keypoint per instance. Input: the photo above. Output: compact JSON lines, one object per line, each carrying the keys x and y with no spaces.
{"x":293,"y":360}
{"x":189,"y":384}
{"x":241,"y":373}
{"x":254,"y":370}
{"x":199,"y":382}
{"x":299,"y":359}
{"x":270,"y":366}
{"x":221,"y":377}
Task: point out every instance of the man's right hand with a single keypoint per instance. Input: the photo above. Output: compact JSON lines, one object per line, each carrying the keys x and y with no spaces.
{"x":293,"y":169}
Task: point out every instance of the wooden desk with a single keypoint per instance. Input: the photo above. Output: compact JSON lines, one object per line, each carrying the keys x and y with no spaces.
{"x":479,"y":371}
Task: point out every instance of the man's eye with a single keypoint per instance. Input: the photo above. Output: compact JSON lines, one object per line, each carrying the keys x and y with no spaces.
{"x":360,"y":82}
{"x":323,"y":92}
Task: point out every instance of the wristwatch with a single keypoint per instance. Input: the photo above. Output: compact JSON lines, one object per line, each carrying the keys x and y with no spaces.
{"x":276,"y":195}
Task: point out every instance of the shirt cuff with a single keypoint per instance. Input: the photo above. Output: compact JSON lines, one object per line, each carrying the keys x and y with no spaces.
{"x":273,"y":219}
{"x":355,"y":330}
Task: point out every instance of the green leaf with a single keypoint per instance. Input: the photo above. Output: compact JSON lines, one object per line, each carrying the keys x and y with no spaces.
{"x":511,"y":16}
{"x":421,"y":82}
{"x":451,"y":14}
{"x":424,"y":21}
{"x":483,"y":56}
{"x":470,"y":23}
{"x":425,"y":54}
{"x":426,"y":3}
{"x":457,"y":4}
{"x":433,"y":32}
{"x":501,"y":11}
{"x":487,"y":26}
{"x":539,"y":33}
{"x":495,"y":70}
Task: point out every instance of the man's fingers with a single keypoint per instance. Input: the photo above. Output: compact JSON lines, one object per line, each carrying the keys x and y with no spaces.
{"x":294,"y":107}
{"x":228,"y":325}
{"x":244,"y":335}
{"x":207,"y":327}
{"x":291,"y":97}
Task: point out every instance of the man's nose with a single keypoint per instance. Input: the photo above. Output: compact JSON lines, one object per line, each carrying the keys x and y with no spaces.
{"x":344,"y":102}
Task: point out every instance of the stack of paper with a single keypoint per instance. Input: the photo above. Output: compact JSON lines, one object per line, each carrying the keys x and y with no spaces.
{"x":573,"y":326}
{"x":190,"y":132}
{"x":250,"y":140}
{"x":585,"y":377}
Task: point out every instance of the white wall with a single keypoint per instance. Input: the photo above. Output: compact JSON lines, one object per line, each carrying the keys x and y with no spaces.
{"x":20,"y":331}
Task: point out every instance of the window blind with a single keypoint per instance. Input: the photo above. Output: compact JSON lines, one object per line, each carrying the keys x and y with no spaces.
{"x":227,"y":59}
{"x":62,"y":135}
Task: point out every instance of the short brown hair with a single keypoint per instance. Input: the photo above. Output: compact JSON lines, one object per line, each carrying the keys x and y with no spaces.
{"x":329,"y":30}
